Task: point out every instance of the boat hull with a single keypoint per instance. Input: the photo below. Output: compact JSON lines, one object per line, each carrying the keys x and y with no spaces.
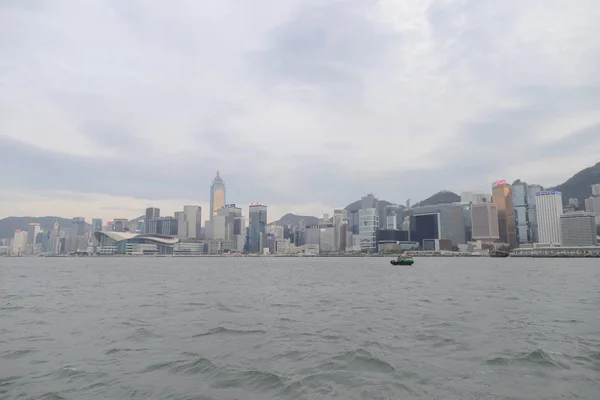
{"x":402,"y":262}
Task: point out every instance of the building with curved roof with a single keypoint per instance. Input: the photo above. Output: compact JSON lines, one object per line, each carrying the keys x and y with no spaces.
{"x":134,"y":243}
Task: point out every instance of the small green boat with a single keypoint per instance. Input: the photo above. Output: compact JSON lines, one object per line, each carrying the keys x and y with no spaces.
{"x":402,"y":260}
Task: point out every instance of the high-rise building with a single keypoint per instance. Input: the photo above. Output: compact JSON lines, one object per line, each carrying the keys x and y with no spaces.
{"x":96,"y":225}
{"x":522,"y":227}
{"x":119,"y":224}
{"x":33,"y":229}
{"x":79,"y":226}
{"x":502,"y":197}
{"x":181,"y":224}
{"x":151,"y":213}
{"x":166,"y":226}
{"x":368,"y":224}
{"x":55,"y":242}
{"x":338,"y":220}
{"x":327,"y":239}
{"x":217,"y":195}
{"x":484,"y":222}
{"x":258,"y":223}
{"x":532,"y":190}
{"x":549,"y":210}
{"x":192,"y":216}
{"x":578,"y":229}
{"x":596,"y":189}
{"x":474,"y":197}
{"x":438,"y":222}
{"x":592,"y":205}
{"x":20,"y":242}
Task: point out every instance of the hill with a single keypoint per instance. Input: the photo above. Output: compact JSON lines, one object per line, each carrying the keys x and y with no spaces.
{"x":295,"y":220}
{"x":353,"y":207}
{"x":579,"y":185}
{"x":443,"y":197}
{"x":10,"y":224}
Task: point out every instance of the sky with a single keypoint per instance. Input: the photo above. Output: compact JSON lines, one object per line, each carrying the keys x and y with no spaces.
{"x":110,"y":106}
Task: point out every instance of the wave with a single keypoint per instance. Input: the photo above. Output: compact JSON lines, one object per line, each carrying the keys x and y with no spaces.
{"x":360,"y":360}
{"x":226,"y":331}
{"x":258,"y":380}
{"x":143,"y":333}
{"x":195,"y":367}
{"x":536,"y":357}
{"x":14,"y":354}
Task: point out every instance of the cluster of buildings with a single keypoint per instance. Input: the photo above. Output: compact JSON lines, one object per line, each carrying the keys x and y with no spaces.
{"x":511,"y":216}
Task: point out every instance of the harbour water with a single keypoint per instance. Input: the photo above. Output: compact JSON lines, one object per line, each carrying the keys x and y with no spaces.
{"x":304,"y":328}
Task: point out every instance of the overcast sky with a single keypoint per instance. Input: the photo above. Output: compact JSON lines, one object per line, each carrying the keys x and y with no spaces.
{"x":107,"y":107}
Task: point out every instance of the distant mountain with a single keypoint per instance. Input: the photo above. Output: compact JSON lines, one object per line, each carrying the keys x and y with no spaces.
{"x":443,"y":197}
{"x":295,"y":220}
{"x":353,"y":207}
{"x":579,"y":185}
{"x":10,"y":224}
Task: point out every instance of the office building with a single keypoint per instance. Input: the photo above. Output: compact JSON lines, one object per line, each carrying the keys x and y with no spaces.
{"x":520,"y":204}
{"x":192,"y":222}
{"x":549,"y":210}
{"x":55,"y":242}
{"x":502,"y":197}
{"x":96,"y":225}
{"x":79,"y":226}
{"x":438,"y":222}
{"x":119,"y":224}
{"x":258,"y":223}
{"x":217,"y":195}
{"x":165,"y":226}
{"x":182,"y":227}
{"x":368,"y":224}
{"x":19,"y":245}
{"x":532,"y":190}
{"x":596,"y":190}
{"x":592,"y":205}
{"x":474,"y":197}
{"x":578,"y":229}
{"x":33,"y":229}
{"x":151,"y":213}
{"x":338,"y":221}
{"x":574,"y":202}
{"x":484,"y":222}
{"x":327,"y":239}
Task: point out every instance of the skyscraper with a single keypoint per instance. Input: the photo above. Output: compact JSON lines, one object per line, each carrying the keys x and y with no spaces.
{"x":151,"y":213}
{"x":596,"y":189}
{"x":578,"y":229}
{"x":192,"y":216}
{"x":96,"y":225}
{"x":549,"y":210}
{"x":20,"y":242}
{"x":502,"y":198}
{"x":33,"y":230}
{"x":532,"y":190}
{"x":217,"y":195}
{"x":258,"y":223}
{"x":484,"y":222}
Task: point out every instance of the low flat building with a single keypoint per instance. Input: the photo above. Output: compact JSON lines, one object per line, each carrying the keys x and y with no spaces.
{"x":578,"y":229}
{"x":110,"y":243}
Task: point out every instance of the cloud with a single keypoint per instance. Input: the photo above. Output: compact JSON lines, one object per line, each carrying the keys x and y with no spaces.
{"x":301,"y":104}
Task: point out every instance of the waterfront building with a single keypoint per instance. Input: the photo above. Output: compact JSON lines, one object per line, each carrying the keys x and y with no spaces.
{"x":19,"y":245}
{"x":522,"y":227}
{"x":532,"y":190}
{"x":217,"y":195}
{"x":502,"y":197}
{"x":484,"y":222}
{"x":368,"y":224}
{"x":134,"y":243}
{"x":549,"y":210}
{"x":578,"y":229}
{"x":438,"y":222}
{"x":257,"y":228}
{"x":151,"y":213}
{"x":327,"y":239}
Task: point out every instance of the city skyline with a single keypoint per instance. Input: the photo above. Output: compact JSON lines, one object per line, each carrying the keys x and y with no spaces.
{"x":319,"y":102}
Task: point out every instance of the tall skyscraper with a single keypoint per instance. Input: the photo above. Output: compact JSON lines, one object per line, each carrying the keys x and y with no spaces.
{"x":217,"y":195}
{"x":151,"y":213}
{"x":519,"y":194}
{"x":20,"y":242}
{"x":338,"y":220}
{"x":484,"y":222}
{"x":192,"y":216}
{"x":96,"y":225}
{"x":532,"y":190}
{"x":368,"y":224}
{"x":502,"y":198}
{"x":32,"y":231}
{"x":258,"y":223}
{"x":549,"y":210}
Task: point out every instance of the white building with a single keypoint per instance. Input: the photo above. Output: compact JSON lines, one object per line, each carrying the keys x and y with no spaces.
{"x":338,"y":221}
{"x":484,"y":222}
{"x":327,"y":239}
{"x":19,"y":242}
{"x":596,"y":189}
{"x":549,"y":209}
{"x":192,"y":220}
{"x":592,"y":205}
{"x":474,"y":197}
{"x":368,"y":224}
{"x":578,"y":229}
